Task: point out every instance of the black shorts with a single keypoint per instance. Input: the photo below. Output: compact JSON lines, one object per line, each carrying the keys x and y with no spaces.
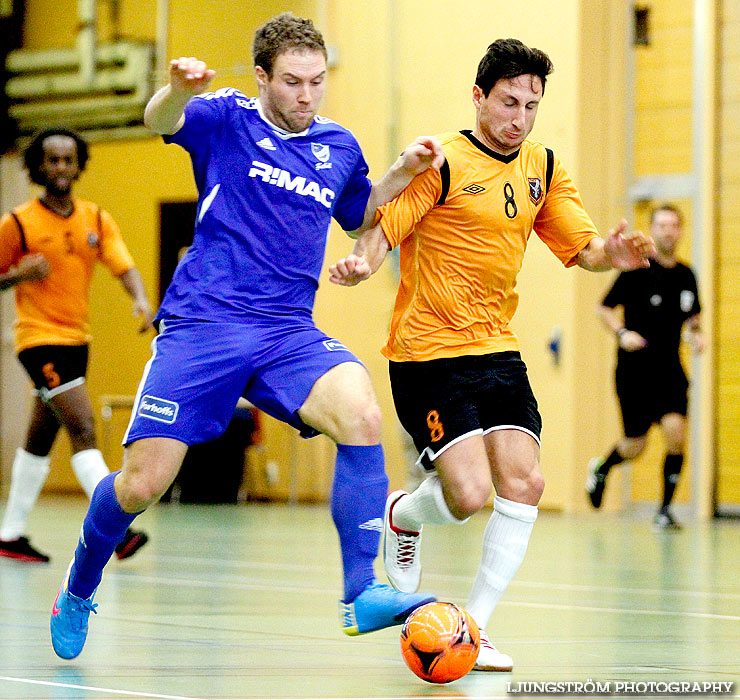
{"x":646,"y":394}
{"x":55,"y":368}
{"x":440,"y":402}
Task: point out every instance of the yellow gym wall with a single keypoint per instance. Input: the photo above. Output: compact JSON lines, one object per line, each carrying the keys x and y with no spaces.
{"x":396,"y":77}
{"x":601,"y":180}
{"x":663,"y":142}
{"x":728,"y":245}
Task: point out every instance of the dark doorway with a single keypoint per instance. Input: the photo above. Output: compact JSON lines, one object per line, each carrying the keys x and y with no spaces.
{"x":177,"y":223}
{"x":212,"y":471}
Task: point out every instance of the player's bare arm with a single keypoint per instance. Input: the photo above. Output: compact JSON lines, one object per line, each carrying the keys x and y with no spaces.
{"x":134,"y":285}
{"x":364,"y":260}
{"x":627,"y":339}
{"x":31,"y":268}
{"x":620,"y":250}
{"x":424,"y":152}
{"x":164,"y":113}
{"x":694,"y":335}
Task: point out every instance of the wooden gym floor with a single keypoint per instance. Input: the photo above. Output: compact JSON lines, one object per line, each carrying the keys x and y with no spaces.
{"x":241,"y":602}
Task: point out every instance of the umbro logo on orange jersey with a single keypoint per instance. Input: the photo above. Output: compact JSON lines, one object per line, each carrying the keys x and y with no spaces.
{"x":473,"y":189}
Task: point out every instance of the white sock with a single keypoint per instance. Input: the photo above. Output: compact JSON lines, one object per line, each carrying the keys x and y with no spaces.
{"x":505,"y":543}
{"x":89,"y":468}
{"x":425,"y":506}
{"x":28,"y":476}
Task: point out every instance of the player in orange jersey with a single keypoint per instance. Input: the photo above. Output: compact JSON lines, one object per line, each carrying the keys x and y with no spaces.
{"x":459,"y":384}
{"x":48,"y":250}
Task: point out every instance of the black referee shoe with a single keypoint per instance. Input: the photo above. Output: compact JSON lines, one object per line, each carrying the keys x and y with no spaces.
{"x":131,"y":543}
{"x":595,"y":482}
{"x":664,"y":520}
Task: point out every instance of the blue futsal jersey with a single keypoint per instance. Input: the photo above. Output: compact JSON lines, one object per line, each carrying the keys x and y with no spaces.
{"x":265,"y":200}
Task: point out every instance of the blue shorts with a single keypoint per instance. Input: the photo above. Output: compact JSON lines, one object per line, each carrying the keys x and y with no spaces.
{"x":198,"y":371}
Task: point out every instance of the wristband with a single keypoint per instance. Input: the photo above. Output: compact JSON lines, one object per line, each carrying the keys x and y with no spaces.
{"x":621,"y":332}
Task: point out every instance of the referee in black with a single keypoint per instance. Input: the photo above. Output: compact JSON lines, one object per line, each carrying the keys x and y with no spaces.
{"x":649,"y":310}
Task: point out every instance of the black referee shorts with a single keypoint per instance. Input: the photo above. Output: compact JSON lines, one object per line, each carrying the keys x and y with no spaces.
{"x":648,"y":393}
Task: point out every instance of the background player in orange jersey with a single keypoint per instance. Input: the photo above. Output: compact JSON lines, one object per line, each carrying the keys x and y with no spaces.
{"x":459,"y":384}
{"x":48,"y":249}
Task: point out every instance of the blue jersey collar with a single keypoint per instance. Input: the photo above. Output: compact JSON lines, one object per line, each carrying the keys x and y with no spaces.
{"x":280,"y":133}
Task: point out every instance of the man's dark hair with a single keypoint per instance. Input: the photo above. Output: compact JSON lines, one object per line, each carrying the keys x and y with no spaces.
{"x":281,"y":34}
{"x":34,"y":153}
{"x":509,"y":58}
{"x":667,"y":206}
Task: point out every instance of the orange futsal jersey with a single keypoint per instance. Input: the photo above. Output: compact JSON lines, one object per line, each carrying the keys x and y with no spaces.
{"x":463,"y":231}
{"x":54,"y":311}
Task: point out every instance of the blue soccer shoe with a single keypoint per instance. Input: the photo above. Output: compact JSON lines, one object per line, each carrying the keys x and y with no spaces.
{"x":69,"y":616}
{"x":377,"y":607}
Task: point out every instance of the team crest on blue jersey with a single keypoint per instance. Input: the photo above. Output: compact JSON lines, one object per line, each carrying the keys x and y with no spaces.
{"x":322,"y":154}
{"x":320,"y":151}
{"x":535,"y":189}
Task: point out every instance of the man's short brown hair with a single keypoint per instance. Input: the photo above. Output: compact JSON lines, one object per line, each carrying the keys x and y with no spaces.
{"x":281,"y":34}
{"x":510,"y":58}
{"x":666,"y":206}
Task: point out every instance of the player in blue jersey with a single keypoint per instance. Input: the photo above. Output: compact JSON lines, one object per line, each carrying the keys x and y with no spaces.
{"x":237,"y":317}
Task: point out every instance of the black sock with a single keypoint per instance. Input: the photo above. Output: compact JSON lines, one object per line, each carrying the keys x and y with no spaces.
{"x":612,"y":460}
{"x":671,"y":472}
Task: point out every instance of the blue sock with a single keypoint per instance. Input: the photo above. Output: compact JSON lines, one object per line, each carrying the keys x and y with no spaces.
{"x":357,"y":504}
{"x":104,"y":527}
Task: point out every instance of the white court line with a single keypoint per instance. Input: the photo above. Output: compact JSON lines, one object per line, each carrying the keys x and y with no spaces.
{"x":195,"y":583}
{"x":580,"y":588}
{"x":620,"y":611}
{"x":221,"y":583}
{"x":111,"y":691}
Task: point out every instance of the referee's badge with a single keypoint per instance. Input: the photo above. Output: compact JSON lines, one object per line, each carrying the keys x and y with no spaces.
{"x":535,"y":189}
{"x":686,"y":300}
{"x":92,"y":239}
